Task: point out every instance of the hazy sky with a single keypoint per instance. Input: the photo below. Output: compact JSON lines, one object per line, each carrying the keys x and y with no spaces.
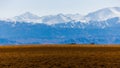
{"x":10,"y":8}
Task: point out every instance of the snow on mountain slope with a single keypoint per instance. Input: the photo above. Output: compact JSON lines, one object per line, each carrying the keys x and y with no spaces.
{"x":103,"y":14}
{"x":27,"y":17}
{"x":116,"y":11}
{"x":4,"y":19}
{"x":117,"y":8}
{"x":55,"y":19}
{"x":100,"y":15}
{"x":49,"y":20}
{"x":76,"y":17}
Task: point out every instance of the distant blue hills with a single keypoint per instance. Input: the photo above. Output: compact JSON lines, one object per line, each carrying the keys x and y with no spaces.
{"x":100,"y":27}
{"x":79,"y":33}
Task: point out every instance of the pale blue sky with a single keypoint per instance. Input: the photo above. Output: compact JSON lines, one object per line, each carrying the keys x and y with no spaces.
{"x":10,"y":8}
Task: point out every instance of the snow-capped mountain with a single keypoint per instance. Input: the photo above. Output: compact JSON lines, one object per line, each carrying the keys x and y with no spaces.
{"x":26,"y":17}
{"x":100,"y":27}
{"x":103,"y":14}
{"x":103,"y":32}
{"x":76,"y":17}
{"x":55,"y":19}
{"x":32,"y":18}
{"x":100,"y":15}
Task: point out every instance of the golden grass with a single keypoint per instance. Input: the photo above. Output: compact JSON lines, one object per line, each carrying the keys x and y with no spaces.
{"x":60,"y":56}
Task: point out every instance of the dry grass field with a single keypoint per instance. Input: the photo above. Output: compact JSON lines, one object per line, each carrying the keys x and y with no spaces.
{"x":60,"y":56}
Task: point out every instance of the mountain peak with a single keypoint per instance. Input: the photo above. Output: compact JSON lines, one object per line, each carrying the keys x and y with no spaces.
{"x":100,"y":15}
{"x":60,"y":14}
{"x":26,"y":17}
{"x":55,"y":19}
{"x":104,"y":14}
{"x":27,"y":13}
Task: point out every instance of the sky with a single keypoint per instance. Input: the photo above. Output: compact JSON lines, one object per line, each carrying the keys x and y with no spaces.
{"x":11,"y":8}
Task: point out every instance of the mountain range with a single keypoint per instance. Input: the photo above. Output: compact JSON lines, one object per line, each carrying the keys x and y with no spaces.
{"x":99,"y":27}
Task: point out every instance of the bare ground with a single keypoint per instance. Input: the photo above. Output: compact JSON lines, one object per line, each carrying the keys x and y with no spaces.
{"x":60,"y":56}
